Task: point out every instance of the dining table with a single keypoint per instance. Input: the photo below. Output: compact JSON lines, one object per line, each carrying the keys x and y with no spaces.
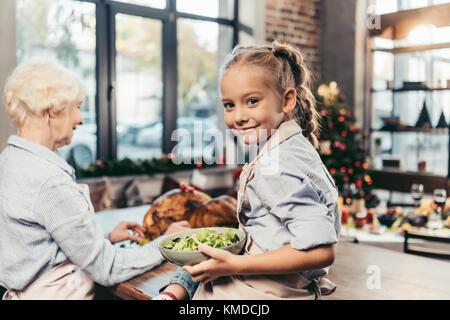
{"x":360,"y":271}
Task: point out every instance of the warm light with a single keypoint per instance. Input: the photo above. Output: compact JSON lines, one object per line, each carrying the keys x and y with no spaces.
{"x":422,"y":34}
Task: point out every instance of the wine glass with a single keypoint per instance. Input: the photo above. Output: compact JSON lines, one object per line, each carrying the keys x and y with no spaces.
{"x":417,"y":193}
{"x":439,"y":197}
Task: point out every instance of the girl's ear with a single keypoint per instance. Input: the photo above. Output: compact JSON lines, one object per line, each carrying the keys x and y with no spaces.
{"x":290,"y":100}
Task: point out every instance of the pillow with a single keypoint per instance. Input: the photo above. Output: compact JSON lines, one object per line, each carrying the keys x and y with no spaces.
{"x":131,"y":194}
{"x":101,"y":195}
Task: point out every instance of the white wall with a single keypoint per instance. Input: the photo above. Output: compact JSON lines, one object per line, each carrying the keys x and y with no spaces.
{"x":7,"y":61}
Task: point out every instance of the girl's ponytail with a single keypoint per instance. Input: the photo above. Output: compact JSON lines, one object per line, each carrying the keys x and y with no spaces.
{"x":305,"y":110}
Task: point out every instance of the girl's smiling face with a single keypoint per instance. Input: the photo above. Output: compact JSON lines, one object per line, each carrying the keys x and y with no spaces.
{"x":252,"y":108}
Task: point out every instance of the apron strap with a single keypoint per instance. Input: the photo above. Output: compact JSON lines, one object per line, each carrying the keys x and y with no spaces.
{"x":287,"y":129}
{"x":8,"y":293}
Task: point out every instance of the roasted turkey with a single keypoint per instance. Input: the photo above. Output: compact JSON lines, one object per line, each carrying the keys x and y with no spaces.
{"x":198,"y":208}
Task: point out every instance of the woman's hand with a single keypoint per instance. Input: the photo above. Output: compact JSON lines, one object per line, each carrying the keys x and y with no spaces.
{"x":221,"y":263}
{"x":177,"y":227}
{"x":120,"y":233}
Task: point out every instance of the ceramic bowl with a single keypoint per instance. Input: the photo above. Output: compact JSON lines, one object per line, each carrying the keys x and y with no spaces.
{"x":182,"y":258}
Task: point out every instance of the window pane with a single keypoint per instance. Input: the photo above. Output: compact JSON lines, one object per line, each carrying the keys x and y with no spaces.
{"x":64,"y":30}
{"x":159,"y":4}
{"x":139,"y":87}
{"x":425,"y":34}
{"x":200,"y":54}
{"x":382,"y":107}
{"x":431,"y":66}
{"x":383,"y":67}
{"x":412,"y":148}
{"x":413,"y":4}
{"x":388,"y":6}
{"x":209,"y":8}
{"x":426,"y":66}
{"x":385,"y":6}
{"x":381,"y":43}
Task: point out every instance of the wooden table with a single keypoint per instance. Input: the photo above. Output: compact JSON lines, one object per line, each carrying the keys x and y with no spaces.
{"x":145,"y":286}
{"x":402,"y":276}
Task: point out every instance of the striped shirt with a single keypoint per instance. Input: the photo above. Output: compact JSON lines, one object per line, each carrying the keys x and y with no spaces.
{"x":45,"y":218}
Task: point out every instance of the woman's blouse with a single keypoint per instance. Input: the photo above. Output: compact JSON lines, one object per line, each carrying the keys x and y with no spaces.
{"x":45,"y":218}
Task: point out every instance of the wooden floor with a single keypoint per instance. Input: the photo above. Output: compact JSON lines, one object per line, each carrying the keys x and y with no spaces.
{"x":360,"y":272}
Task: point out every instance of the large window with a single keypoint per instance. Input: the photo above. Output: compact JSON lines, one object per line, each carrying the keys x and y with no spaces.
{"x":64,"y":30}
{"x":139,"y":87}
{"x":201,"y":50}
{"x":148,"y":67}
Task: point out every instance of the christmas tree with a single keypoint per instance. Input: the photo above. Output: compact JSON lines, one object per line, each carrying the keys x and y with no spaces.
{"x":442,"y":123}
{"x":341,"y":147}
{"x":424,"y":118}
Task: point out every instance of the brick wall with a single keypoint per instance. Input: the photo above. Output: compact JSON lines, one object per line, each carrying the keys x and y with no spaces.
{"x":298,"y":22}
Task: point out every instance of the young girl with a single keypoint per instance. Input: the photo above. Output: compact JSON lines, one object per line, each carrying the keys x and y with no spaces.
{"x":290,"y":214}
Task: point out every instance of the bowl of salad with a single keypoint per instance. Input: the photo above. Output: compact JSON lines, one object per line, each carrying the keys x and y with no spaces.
{"x":181,"y":248}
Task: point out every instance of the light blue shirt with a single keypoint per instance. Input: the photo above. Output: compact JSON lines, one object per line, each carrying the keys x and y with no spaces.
{"x":45,"y":219}
{"x":296,"y":204}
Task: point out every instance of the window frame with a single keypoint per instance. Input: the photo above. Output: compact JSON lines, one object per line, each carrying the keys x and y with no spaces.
{"x":106,"y":73}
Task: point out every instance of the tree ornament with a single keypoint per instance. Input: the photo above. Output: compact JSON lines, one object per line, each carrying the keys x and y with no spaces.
{"x":424,"y":118}
{"x":442,"y":123}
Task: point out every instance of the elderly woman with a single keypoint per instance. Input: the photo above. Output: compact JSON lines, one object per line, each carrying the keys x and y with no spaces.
{"x":51,"y":247}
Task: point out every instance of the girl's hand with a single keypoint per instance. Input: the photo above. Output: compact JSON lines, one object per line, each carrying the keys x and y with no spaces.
{"x":221,"y":263}
{"x":120,"y":233}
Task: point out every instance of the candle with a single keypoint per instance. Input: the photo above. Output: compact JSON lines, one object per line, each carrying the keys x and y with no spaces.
{"x":360,"y":219}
